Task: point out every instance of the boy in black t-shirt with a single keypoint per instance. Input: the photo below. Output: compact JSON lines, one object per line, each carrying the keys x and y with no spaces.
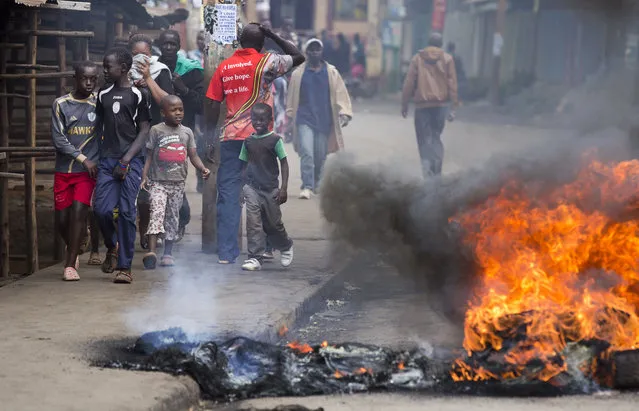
{"x":124,"y":113}
{"x":262,"y":193}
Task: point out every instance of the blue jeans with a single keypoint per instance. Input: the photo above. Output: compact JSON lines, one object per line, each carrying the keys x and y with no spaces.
{"x":111,"y":193}
{"x":229,"y":209}
{"x":313,"y":150}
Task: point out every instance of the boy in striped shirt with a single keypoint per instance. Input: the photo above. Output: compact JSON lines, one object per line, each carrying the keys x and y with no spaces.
{"x":73,"y":128}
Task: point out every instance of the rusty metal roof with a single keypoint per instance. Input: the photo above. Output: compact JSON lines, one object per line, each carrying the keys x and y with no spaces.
{"x":33,"y":3}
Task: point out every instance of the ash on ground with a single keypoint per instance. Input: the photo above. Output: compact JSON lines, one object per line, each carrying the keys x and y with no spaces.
{"x":241,"y":368}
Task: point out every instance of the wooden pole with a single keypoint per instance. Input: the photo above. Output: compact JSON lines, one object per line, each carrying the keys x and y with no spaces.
{"x":4,"y":168}
{"x":216,"y":54}
{"x":498,"y":43}
{"x":58,"y":242}
{"x":30,"y":164}
{"x":33,"y":75}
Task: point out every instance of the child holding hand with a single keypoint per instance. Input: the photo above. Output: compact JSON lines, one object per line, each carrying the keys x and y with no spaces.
{"x":164,"y":175}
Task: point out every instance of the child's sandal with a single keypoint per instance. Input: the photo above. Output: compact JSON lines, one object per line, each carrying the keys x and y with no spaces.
{"x":150,"y":260}
{"x":167,"y":261}
{"x":123,"y":277}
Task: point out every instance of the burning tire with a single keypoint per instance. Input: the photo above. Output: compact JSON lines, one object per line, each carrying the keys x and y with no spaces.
{"x":626,"y":373}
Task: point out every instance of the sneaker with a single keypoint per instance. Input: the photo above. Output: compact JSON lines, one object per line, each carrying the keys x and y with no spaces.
{"x":268,"y":255}
{"x":251,"y":265}
{"x":305,"y":194}
{"x":287,"y":257}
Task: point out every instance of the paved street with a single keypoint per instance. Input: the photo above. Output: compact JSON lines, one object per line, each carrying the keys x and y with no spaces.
{"x":378,"y":306}
{"x":52,"y":330}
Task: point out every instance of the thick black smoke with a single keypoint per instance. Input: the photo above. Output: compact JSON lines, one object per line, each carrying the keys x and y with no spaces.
{"x":407,"y":221}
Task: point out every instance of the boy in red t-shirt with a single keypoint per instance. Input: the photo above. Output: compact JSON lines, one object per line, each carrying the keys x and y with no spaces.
{"x":235,"y":81}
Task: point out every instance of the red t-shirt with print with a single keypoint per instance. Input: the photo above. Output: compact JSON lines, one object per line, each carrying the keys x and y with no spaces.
{"x":236,"y":80}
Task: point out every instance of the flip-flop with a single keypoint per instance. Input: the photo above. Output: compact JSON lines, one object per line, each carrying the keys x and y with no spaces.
{"x":110,"y":261}
{"x":167,"y":261}
{"x":149,"y":260}
{"x":123,"y":277}
{"x":94,"y":259}
{"x":70,"y":274}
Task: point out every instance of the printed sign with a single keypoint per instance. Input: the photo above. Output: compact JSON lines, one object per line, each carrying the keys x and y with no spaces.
{"x":225,"y":26}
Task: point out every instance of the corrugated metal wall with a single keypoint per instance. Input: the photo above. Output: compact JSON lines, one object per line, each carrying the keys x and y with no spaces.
{"x":569,"y":45}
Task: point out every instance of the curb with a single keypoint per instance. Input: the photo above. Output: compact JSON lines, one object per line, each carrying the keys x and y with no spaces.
{"x":311,"y":304}
{"x":187,"y":395}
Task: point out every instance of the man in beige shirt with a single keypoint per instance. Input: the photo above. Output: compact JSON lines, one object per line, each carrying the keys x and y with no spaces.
{"x":431,"y":83}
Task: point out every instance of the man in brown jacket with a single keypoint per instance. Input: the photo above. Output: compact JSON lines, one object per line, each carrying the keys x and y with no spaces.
{"x":431,"y":83}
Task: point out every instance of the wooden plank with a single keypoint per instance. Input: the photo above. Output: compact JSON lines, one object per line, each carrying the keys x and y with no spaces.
{"x":6,"y":45}
{"x":69,"y":5}
{"x":32,"y":66}
{"x":30,"y":164}
{"x":58,"y":243}
{"x":54,"y":33}
{"x":34,"y":75}
{"x":13,"y":95}
{"x":31,"y":148}
{"x":4,"y":167}
{"x":7,"y":175}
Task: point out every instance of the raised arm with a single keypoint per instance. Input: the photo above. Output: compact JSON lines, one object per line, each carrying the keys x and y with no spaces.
{"x":158,"y":92}
{"x":287,"y":47}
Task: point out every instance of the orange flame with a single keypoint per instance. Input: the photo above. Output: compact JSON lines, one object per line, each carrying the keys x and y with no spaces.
{"x":300,"y":348}
{"x":563,"y":264}
{"x":401,"y":366}
{"x":282,"y":331}
{"x":324,"y":344}
{"x":338,"y":374}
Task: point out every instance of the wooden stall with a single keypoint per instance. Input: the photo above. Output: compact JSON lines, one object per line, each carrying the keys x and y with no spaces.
{"x":39,"y":41}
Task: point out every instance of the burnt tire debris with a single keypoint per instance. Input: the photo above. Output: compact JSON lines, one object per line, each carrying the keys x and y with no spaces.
{"x":242,"y":368}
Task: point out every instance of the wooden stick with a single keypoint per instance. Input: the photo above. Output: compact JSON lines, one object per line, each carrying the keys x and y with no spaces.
{"x":6,"y":175}
{"x":54,"y":33}
{"x":28,"y":149}
{"x":58,"y":243}
{"x":13,"y":95}
{"x":34,"y":75}
{"x":30,"y":164}
{"x":4,"y":167}
{"x":32,"y":66}
{"x":11,"y":45}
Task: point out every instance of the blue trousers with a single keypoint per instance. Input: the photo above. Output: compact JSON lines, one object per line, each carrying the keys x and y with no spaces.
{"x":313,"y":150}
{"x":111,"y":193}
{"x":229,"y":209}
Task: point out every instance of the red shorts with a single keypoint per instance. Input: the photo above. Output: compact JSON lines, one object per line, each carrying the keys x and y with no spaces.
{"x":70,"y":187}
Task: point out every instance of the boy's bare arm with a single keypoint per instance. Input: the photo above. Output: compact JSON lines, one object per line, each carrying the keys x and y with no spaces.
{"x":138,"y":143}
{"x":283,"y":196}
{"x":197,"y":162}
{"x":147,"y":166}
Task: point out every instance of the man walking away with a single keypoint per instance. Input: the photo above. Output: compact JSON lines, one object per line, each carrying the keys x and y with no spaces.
{"x":318,"y":107}
{"x":431,"y":83}
{"x":73,"y":128}
{"x":243,"y":80}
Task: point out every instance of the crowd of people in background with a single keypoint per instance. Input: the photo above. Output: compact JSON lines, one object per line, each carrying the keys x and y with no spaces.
{"x":123,"y":150}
